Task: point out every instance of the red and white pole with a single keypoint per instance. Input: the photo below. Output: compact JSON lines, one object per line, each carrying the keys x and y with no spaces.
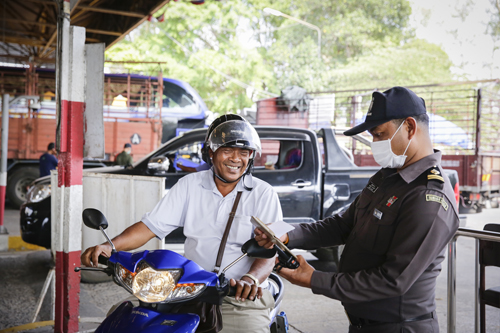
{"x":67,"y":204}
{"x":3,"y":168}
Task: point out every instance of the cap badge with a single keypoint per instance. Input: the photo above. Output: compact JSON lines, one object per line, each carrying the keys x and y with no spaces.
{"x":391,"y":201}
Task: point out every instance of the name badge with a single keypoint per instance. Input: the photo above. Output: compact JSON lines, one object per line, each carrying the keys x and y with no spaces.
{"x":377,"y":213}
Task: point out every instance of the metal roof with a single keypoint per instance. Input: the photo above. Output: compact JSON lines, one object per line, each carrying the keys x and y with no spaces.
{"x":28,"y":28}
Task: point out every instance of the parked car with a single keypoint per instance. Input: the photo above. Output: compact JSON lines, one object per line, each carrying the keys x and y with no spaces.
{"x":312,"y":174}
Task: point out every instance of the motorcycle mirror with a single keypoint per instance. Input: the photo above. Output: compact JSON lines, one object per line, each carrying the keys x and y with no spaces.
{"x":94,"y":219}
{"x":254,"y":250}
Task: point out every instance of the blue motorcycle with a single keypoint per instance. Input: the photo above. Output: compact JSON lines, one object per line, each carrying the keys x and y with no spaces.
{"x":163,"y":280}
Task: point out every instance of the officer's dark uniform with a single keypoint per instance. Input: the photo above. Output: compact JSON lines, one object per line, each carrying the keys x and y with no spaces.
{"x":395,"y":234}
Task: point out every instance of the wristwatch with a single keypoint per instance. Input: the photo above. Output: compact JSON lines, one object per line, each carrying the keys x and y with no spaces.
{"x":255,"y":280}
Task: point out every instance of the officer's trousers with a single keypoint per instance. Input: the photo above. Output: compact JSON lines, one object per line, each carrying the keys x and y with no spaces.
{"x":422,"y":326}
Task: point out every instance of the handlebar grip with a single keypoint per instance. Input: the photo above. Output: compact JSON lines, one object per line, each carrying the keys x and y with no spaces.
{"x":232,"y":291}
{"x":103,"y":260}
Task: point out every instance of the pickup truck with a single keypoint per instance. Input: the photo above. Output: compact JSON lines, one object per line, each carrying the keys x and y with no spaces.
{"x":312,"y":174}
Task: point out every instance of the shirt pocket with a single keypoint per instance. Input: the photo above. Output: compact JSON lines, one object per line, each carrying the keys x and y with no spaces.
{"x":377,"y":232}
{"x":241,"y":230}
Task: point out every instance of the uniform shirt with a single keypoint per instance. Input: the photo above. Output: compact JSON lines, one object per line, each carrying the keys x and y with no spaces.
{"x":47,"y":162}
{"x":196,"y":204}
{"x":124,"y":158}
{"x":395,"y":233}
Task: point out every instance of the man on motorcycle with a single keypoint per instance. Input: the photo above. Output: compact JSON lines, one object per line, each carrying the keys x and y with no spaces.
{"x":201,"y":202}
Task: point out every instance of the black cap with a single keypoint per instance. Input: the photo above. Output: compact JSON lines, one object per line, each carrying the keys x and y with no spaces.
{"x":127,"y":145}
{"x":395,"y":103}
{"x":51,"y":146}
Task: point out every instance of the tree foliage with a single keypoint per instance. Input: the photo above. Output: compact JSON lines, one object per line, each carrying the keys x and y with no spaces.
{"x":233,"y":53}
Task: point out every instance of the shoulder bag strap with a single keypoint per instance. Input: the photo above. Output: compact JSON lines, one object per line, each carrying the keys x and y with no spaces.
{"x":226,"y":233}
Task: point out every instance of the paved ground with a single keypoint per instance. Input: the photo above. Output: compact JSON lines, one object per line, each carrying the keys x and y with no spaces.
{"x":22,"y":275}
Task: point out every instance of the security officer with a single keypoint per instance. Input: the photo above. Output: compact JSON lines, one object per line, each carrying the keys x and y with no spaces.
{"x":395,"y":231}
{"x":124,"y":157}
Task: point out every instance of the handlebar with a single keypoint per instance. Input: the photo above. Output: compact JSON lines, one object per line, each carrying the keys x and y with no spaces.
{"x":232,"y":292}
{"x":103,"y":260}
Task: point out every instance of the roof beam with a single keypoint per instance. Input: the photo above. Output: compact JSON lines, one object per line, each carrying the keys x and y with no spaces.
{"x":28,"y":22}
{"x":111,"y":11}
{"x":95,"y":31}
{"x":24,"y":41}
{"x":47,"y":2}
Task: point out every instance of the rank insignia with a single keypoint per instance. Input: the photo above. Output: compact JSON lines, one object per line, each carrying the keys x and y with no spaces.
{"x":391,"y":201}
{"x":434,"y":174}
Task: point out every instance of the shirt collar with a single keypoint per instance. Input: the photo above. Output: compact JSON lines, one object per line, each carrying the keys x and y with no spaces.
{"x":208,"y":181}
{"x":411,"y":172}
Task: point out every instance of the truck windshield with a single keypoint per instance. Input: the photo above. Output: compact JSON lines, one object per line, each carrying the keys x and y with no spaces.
{"x":176,"y":100}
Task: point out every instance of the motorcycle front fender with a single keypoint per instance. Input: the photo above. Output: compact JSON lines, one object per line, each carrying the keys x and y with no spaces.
{"x":129,"y":319}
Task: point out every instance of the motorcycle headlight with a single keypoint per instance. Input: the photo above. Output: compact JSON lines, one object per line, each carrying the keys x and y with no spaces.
{"x":38,"y":192}
{"x":153,"y":286}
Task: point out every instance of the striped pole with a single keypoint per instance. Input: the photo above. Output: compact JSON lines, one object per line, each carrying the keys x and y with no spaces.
{"x":3,"y":165}
{"x":67,"y":204}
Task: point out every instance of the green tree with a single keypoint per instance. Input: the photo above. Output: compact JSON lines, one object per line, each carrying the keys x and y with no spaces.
{"x":234,"y":54}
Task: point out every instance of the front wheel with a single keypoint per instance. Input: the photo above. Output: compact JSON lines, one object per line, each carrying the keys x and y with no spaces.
{"x":18,"y":182}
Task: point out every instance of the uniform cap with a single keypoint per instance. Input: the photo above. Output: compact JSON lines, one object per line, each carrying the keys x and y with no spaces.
{"x":395,"y":103}
{"x":127,"y":145}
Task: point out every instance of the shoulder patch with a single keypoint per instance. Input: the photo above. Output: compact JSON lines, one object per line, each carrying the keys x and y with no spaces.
{"x":434,"y":174}
{"x":437,"y":198}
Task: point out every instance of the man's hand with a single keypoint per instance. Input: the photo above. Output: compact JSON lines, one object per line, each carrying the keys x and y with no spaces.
{"x":246,"y":289}
{"x":264,"y":241}
{"x":91,"y":255}
{"x":300,"y":276}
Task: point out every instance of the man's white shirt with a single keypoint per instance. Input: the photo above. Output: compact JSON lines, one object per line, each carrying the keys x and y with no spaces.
{"x":196,"y":204}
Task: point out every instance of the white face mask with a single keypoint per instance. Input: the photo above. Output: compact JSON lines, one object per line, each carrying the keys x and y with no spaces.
{"x":384,"y":156}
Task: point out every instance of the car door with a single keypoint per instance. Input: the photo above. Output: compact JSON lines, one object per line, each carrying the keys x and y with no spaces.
{"x":289,"y":162}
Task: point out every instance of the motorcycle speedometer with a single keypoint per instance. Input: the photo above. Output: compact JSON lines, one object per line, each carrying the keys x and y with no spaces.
{"x":152,"y":286}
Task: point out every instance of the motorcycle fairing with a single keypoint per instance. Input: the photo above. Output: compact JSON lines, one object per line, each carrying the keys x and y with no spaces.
{"x":129,"y":319}
{"x":166,"y":259}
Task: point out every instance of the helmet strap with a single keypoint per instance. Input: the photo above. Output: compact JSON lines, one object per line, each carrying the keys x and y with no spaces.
{"x":247,"y":171}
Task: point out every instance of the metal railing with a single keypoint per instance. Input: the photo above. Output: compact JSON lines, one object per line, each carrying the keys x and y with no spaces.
{"x":452,"y":273}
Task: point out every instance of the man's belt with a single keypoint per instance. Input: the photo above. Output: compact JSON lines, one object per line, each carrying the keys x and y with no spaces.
{"x":360,"y":322}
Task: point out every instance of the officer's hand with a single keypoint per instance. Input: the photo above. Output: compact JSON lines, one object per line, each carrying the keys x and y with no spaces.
{"x":246,"y":289}
{"x":91,"y":255}
{"x":300,"y":276}
{"x":264,"y":241}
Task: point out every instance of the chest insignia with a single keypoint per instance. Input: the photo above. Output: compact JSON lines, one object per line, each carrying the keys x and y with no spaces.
{"x":436,"y":198}
{"x":372,"y":187}
{"x":391,"y":201}
{"x":377,"y":213}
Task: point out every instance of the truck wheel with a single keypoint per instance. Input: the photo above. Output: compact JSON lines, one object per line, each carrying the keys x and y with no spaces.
{"x":494,"y":203}
{"x":18,"y":182}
